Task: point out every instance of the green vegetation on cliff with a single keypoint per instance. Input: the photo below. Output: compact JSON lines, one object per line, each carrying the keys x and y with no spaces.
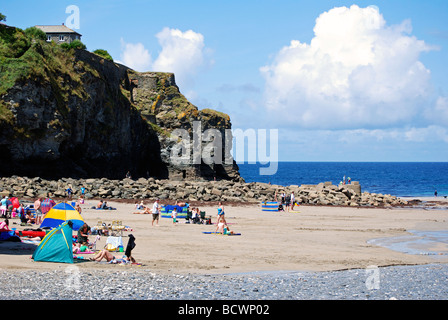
{"x":103,"y":53}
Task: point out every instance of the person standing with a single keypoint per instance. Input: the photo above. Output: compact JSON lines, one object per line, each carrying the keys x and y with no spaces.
{"x":155,"y":212}
{"x":69,"y":192}
{"x":293,"y":201}
{"x":3,"y":207}
{"x":174,"y":214}
{"x":38,"y":211}
{"x":220,"y":211}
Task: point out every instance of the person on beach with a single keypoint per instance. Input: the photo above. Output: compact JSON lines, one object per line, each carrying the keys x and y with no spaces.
{"x":174,"y":215}
{"x":293,"y":201}
{"x":4,"y":226}
{"x":196,"y":215}
{"x":83,"y":236}
{"x":435,"y":193}
{"x":78,"y":208}
{"x":3,"y":207}
{"x":220,"y":210}
{"x":287,"y":202}
{"x":69,"y":192}
{"x":155,"y":212}
{"x":38,"y":210}
{"x":104,"y":254}
{"x":283,"y":198}
{"x":221,"y":225}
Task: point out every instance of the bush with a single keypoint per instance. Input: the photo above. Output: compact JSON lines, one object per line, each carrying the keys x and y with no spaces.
{"x":35,"y":33}
{"x":75,"y":44}
{"x":13,"y":42}
{"x":103,"y":53}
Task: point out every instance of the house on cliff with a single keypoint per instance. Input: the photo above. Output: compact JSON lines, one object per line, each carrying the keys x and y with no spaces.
{"x":60,"y":34}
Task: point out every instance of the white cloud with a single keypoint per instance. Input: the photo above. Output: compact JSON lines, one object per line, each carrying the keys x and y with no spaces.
{"x":135,"y":56}
{"x":439,"y":113}
{"x":182,"y":53}
{"x":356,"y":72}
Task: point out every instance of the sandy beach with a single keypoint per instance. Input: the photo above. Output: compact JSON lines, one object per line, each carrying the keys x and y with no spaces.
{"x":317,"y":238}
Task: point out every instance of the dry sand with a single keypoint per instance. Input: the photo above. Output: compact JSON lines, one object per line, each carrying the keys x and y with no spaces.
{"x":314,"y":239}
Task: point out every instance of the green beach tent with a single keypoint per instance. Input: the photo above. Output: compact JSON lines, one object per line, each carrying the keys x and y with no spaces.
{"x":56,"y":246}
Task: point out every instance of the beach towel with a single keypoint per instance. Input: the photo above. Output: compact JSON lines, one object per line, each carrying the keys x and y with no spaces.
{"x":230,"y":234}
{"x":114,"y":243}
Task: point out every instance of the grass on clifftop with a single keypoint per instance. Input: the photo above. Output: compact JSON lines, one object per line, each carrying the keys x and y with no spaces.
{"x":24,"y":56}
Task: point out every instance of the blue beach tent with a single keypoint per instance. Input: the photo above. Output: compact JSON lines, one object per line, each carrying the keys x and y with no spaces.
{"x":56,"y":246}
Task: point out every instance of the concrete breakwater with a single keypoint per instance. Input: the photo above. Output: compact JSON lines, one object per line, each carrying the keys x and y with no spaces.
{"x":229,"y":191}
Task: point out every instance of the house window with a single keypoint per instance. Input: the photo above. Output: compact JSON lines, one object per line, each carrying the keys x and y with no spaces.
{"x":48,"y":38}
{"x":61,"y":38}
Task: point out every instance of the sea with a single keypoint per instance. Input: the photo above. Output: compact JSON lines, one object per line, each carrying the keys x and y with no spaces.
{"x":401,"y":179}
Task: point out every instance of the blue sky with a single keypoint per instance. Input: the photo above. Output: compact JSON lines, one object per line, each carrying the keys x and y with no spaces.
{"x":340,"y":80}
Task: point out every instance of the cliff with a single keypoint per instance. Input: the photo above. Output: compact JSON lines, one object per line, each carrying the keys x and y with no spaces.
{"x":72,"y":113}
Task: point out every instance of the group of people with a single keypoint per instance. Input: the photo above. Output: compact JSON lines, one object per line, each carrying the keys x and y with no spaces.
{"x":221,"y":223}
{"x":41,"y":207}
{"x":345,"y":181}
{"x":287,"y":201}
{"x":6,"y":207}
{"x":83,"y":245}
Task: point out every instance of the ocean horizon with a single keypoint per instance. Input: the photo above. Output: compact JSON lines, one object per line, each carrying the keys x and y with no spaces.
{"x":402,"y":179}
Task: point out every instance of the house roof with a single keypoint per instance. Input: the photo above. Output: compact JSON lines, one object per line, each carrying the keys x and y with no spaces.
{"x":57,"y":29}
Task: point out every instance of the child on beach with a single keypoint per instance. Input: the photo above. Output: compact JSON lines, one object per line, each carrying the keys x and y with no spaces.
{"x":174,"y":215}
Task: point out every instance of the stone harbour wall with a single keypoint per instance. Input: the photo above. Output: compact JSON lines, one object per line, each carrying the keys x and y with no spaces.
{"x":228,"y":191}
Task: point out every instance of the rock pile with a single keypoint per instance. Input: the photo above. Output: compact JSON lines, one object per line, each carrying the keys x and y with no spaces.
{"x":230,"y":191}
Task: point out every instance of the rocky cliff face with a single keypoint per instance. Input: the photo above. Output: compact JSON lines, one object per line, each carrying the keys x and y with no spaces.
{"x":160,"y":102}
{"x":71,"y":113}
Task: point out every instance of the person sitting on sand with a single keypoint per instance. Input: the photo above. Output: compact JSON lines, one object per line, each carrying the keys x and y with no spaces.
{"x":4,"y":226}
{"x":29,"y":218}
{"x":139,"y":206}
{"x":83,"y":237}
{"x":195,"y":215}
{"x":104,"y":254}
{"x":221,"y":226}
{"x":146,"y":210}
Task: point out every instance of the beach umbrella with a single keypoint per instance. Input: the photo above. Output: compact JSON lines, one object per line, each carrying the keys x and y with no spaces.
{"x":61,"y":213}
